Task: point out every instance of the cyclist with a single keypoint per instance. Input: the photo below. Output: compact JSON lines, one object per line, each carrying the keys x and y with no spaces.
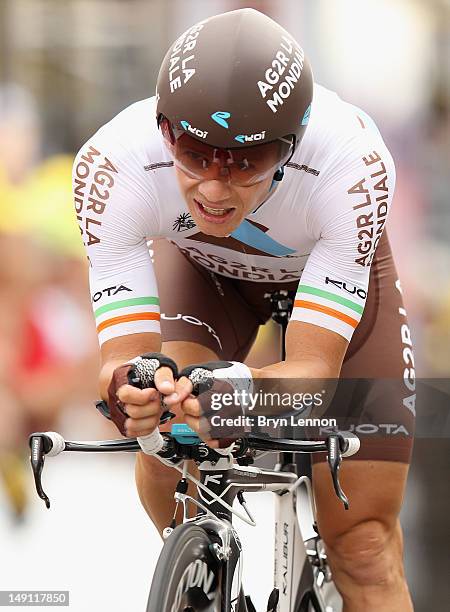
{"x":252,"y":178}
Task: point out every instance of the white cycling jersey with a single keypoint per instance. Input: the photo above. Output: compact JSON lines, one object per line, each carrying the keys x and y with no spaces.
{"x":320,"y":224}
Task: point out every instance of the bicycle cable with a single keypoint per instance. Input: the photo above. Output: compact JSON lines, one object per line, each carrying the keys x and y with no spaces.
{"x":215,"y":497}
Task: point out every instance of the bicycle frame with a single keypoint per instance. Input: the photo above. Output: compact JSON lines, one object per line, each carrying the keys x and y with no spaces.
{"x":301,"y":572}
{"x":293,"y":570}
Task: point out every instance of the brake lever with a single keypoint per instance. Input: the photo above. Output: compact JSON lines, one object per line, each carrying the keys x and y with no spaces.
{"x":39,"y":448}
{"x":334,"y":459}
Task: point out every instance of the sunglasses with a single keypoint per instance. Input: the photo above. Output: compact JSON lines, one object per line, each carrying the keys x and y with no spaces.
{"x":243,"y":166}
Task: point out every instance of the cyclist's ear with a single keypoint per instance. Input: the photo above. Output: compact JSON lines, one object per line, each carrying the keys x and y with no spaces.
{"x":166,"y":129}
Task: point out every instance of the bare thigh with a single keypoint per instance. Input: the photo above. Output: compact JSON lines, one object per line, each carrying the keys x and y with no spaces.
{"x":375,"y":490}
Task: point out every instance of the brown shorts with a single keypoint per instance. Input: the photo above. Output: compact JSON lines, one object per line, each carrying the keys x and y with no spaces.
{"x":224,"y":314}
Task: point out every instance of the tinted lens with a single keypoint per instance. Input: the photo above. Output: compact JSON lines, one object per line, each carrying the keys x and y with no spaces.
{"x":244,"y":166}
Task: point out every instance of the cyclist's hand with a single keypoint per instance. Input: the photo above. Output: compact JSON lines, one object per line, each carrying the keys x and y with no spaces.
{"x":194,"y":417}
{"x":189,"y":404}
{"x":136,"y":391}
{"x":199,"y":391}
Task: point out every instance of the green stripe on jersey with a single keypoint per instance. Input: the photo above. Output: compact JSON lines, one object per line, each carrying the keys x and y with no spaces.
{"x":330,"y":296}
{"x":124,"y":303}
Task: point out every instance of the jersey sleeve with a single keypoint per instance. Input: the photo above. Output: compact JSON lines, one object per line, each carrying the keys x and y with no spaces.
{"x":346,"y":215}
{"x":116,"y":213}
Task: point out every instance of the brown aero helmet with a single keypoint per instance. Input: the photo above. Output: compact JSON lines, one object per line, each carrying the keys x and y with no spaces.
{"x":236,"y":80}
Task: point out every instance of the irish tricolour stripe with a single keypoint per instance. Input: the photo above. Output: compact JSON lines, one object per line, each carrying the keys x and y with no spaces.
{"x":132,"y":316}
{"x":327,"y":309}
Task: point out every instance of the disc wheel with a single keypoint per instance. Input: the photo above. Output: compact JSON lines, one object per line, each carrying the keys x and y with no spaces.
{"x":187,"y":575}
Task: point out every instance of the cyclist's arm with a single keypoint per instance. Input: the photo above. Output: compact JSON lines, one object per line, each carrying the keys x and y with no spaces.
{"x":311,"y":352}
{"x":117,"y":351}
{"x":347,"y":215}
{"x":116,"y":211}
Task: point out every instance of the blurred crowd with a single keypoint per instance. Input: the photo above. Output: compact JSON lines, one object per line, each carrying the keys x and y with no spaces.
{"x":48,"y":345}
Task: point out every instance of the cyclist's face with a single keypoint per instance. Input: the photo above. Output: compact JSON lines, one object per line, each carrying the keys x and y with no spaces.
{"x":228,"y":204}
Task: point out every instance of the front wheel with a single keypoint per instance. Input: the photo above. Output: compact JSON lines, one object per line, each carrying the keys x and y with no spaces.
{"x":187,"y":576}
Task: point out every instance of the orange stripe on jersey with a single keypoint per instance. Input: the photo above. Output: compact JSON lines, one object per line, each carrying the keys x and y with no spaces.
{"x":140,"y":316}
{"x":329,"y":311}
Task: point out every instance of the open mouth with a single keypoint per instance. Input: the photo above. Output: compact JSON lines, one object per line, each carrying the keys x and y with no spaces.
{"x":214,"y":214}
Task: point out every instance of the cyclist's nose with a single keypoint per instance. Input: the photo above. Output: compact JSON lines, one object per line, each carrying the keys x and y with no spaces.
{"x":215,"y":190}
